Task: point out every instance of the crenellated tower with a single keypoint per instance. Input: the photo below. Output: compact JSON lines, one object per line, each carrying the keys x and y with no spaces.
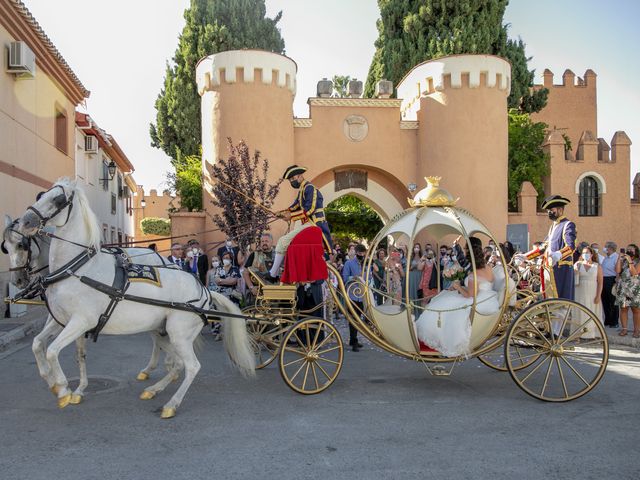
{"x":460,"y":103}
{"x":246,"y":95}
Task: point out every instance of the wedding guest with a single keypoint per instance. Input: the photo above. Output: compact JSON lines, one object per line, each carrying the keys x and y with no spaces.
{"x":261,"y":260}
{"x":395,"y":274}
{"x":416,"y":264}
{"x":177,"y":255}
{"x":230,"y":246}
{"x":588,"y":289}
{"x":628,"y":288}
{"x":429,"y":279}
{"x":351,"y":271}
{"x":198,"y":262}
{"x":379,"y":275}
{"x":596,"y":248}
{"x":609,"y":274}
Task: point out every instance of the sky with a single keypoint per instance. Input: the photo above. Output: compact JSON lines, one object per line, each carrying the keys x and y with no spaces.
{"x":119,"y":50}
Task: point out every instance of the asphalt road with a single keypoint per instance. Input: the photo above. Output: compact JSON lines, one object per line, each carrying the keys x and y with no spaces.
{"x":384,"y":417}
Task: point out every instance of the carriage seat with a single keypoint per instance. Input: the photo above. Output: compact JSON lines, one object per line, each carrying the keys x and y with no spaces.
{"x":304,"y":261}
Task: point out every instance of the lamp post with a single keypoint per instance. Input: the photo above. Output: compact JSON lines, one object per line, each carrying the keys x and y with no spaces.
{"x":111,"y":169}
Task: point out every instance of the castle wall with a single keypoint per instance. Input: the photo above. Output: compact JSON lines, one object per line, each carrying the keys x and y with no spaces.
{"x":571,"y":106}
{"x":334,"y":139}
{"x":246,"y":95}
{"x":157,"y":206}
{"x":461,"y":109}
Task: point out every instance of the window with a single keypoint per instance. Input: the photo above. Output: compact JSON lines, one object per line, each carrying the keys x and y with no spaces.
{"x":114,"y":200}
{"x":119,"y":237}
{"x":105,"y":174}
{"x":589,"y":196}
{"x":120,"y":191}
{"x":60,"y":132}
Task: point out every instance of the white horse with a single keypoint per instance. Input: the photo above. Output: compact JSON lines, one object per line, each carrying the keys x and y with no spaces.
{"x":29,"y":258}
{"x":75,"y":253}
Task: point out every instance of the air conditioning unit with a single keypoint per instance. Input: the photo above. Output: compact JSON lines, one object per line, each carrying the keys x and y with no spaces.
{"x":91,"y":144}
{"x":22,"y":61}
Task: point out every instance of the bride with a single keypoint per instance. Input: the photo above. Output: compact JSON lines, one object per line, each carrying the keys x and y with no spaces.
{"x":445,"y":324}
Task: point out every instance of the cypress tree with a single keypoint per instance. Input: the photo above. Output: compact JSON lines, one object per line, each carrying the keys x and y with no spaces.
{"x":413,"y":31}
{"x":211,"y":26}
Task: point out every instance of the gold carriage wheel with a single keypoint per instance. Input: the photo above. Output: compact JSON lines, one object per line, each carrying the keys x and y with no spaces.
{"x":568,"y":363}
{"x":494,"y":358}
{"x":311,"y":356}
{"x":266,"y":335}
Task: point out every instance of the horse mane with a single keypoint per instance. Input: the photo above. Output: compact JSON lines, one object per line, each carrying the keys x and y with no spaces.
{"x":89,"y":218}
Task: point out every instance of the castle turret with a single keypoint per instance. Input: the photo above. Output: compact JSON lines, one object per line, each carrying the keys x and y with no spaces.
{"x":460,"y":103}
{"x":246,"y":95}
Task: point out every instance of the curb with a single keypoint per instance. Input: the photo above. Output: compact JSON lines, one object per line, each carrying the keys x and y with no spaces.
{"x":33,"y":321}
{"x":627,"y":341}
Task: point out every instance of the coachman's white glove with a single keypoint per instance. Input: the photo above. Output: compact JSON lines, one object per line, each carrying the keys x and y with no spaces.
{"x":555,"y":257}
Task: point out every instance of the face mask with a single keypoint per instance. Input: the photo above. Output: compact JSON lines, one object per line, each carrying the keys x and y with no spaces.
{"x":596,"y":250}
{"x":295,"y":183}
{"x":215,"y":264}
{"x":360,"y":258}
{"x":226,"y":262}
{"x":586,"y":257}
{"x":228,"y":243}
{"x":190,"y":254}
{"x":552,"y":215}
{"x":454,"y":258}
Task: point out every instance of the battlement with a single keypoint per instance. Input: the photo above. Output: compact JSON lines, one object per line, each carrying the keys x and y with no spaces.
{"x":569,"y":79}
{"x":246,"y":66}
{"x":454,"y":71}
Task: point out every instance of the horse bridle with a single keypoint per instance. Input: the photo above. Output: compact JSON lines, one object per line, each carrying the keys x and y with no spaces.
{"x":61,"y":201}
{"x":24,"y":244}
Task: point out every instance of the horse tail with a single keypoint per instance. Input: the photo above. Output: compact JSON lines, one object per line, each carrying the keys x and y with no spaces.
{"x":237,"y":342}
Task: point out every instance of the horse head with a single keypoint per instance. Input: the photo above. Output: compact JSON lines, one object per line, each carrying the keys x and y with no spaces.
{"x":52,"y":207}
{"x":21,"y":249}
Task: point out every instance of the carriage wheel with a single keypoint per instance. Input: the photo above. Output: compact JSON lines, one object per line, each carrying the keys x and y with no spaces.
{"x":566,"y":364}
{"x":495,"y":358}
{"x":311,"y":356}
{"x":266,"y":335}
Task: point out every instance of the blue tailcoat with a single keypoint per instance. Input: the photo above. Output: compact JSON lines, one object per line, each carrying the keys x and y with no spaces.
{"x":308,"y":206}
{"x":563,"y":234}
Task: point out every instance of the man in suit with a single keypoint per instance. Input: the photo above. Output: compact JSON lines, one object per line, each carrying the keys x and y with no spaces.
{"x":233,"y":249}
{"x":177,"y":255}
{"x":198,"y":262}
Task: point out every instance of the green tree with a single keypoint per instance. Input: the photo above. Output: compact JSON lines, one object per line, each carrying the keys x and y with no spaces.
{"x":350,"y":217}
{"x":527,"y":160}
{"x":212,"y":26}
{"x":186,"y":181}
{"x":340,"y":85}
{"x":413,"y":31}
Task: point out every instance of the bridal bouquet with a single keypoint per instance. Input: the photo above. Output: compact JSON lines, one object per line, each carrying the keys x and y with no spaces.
{"x":454,"y":273}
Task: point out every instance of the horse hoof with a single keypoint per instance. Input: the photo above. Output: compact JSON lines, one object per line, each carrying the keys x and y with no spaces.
{"x":142,"y":376}
{"x":55,"y":389}
{"x":147,"y":395}
{"x":64,"y":401}
{"x":168,"y":412}
{"x":76,"y":399}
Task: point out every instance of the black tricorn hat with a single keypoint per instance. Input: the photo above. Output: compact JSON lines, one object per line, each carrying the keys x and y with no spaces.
{"x":554,"y":201}
{"x":292,"y":171}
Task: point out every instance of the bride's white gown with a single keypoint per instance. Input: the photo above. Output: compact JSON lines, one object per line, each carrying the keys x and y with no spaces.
{"x":445,"y":325}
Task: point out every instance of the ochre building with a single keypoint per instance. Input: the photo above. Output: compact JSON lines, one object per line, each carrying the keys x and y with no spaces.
{"x":449,"y":120}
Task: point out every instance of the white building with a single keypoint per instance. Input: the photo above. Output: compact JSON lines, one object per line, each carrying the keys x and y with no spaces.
{"x":104,"y":172}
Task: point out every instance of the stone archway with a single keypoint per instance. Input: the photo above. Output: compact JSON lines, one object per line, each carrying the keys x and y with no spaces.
{"x":380,"y":190}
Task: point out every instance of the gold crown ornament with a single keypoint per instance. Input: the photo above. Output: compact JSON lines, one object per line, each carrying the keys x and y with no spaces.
{"x":433,"y":195}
